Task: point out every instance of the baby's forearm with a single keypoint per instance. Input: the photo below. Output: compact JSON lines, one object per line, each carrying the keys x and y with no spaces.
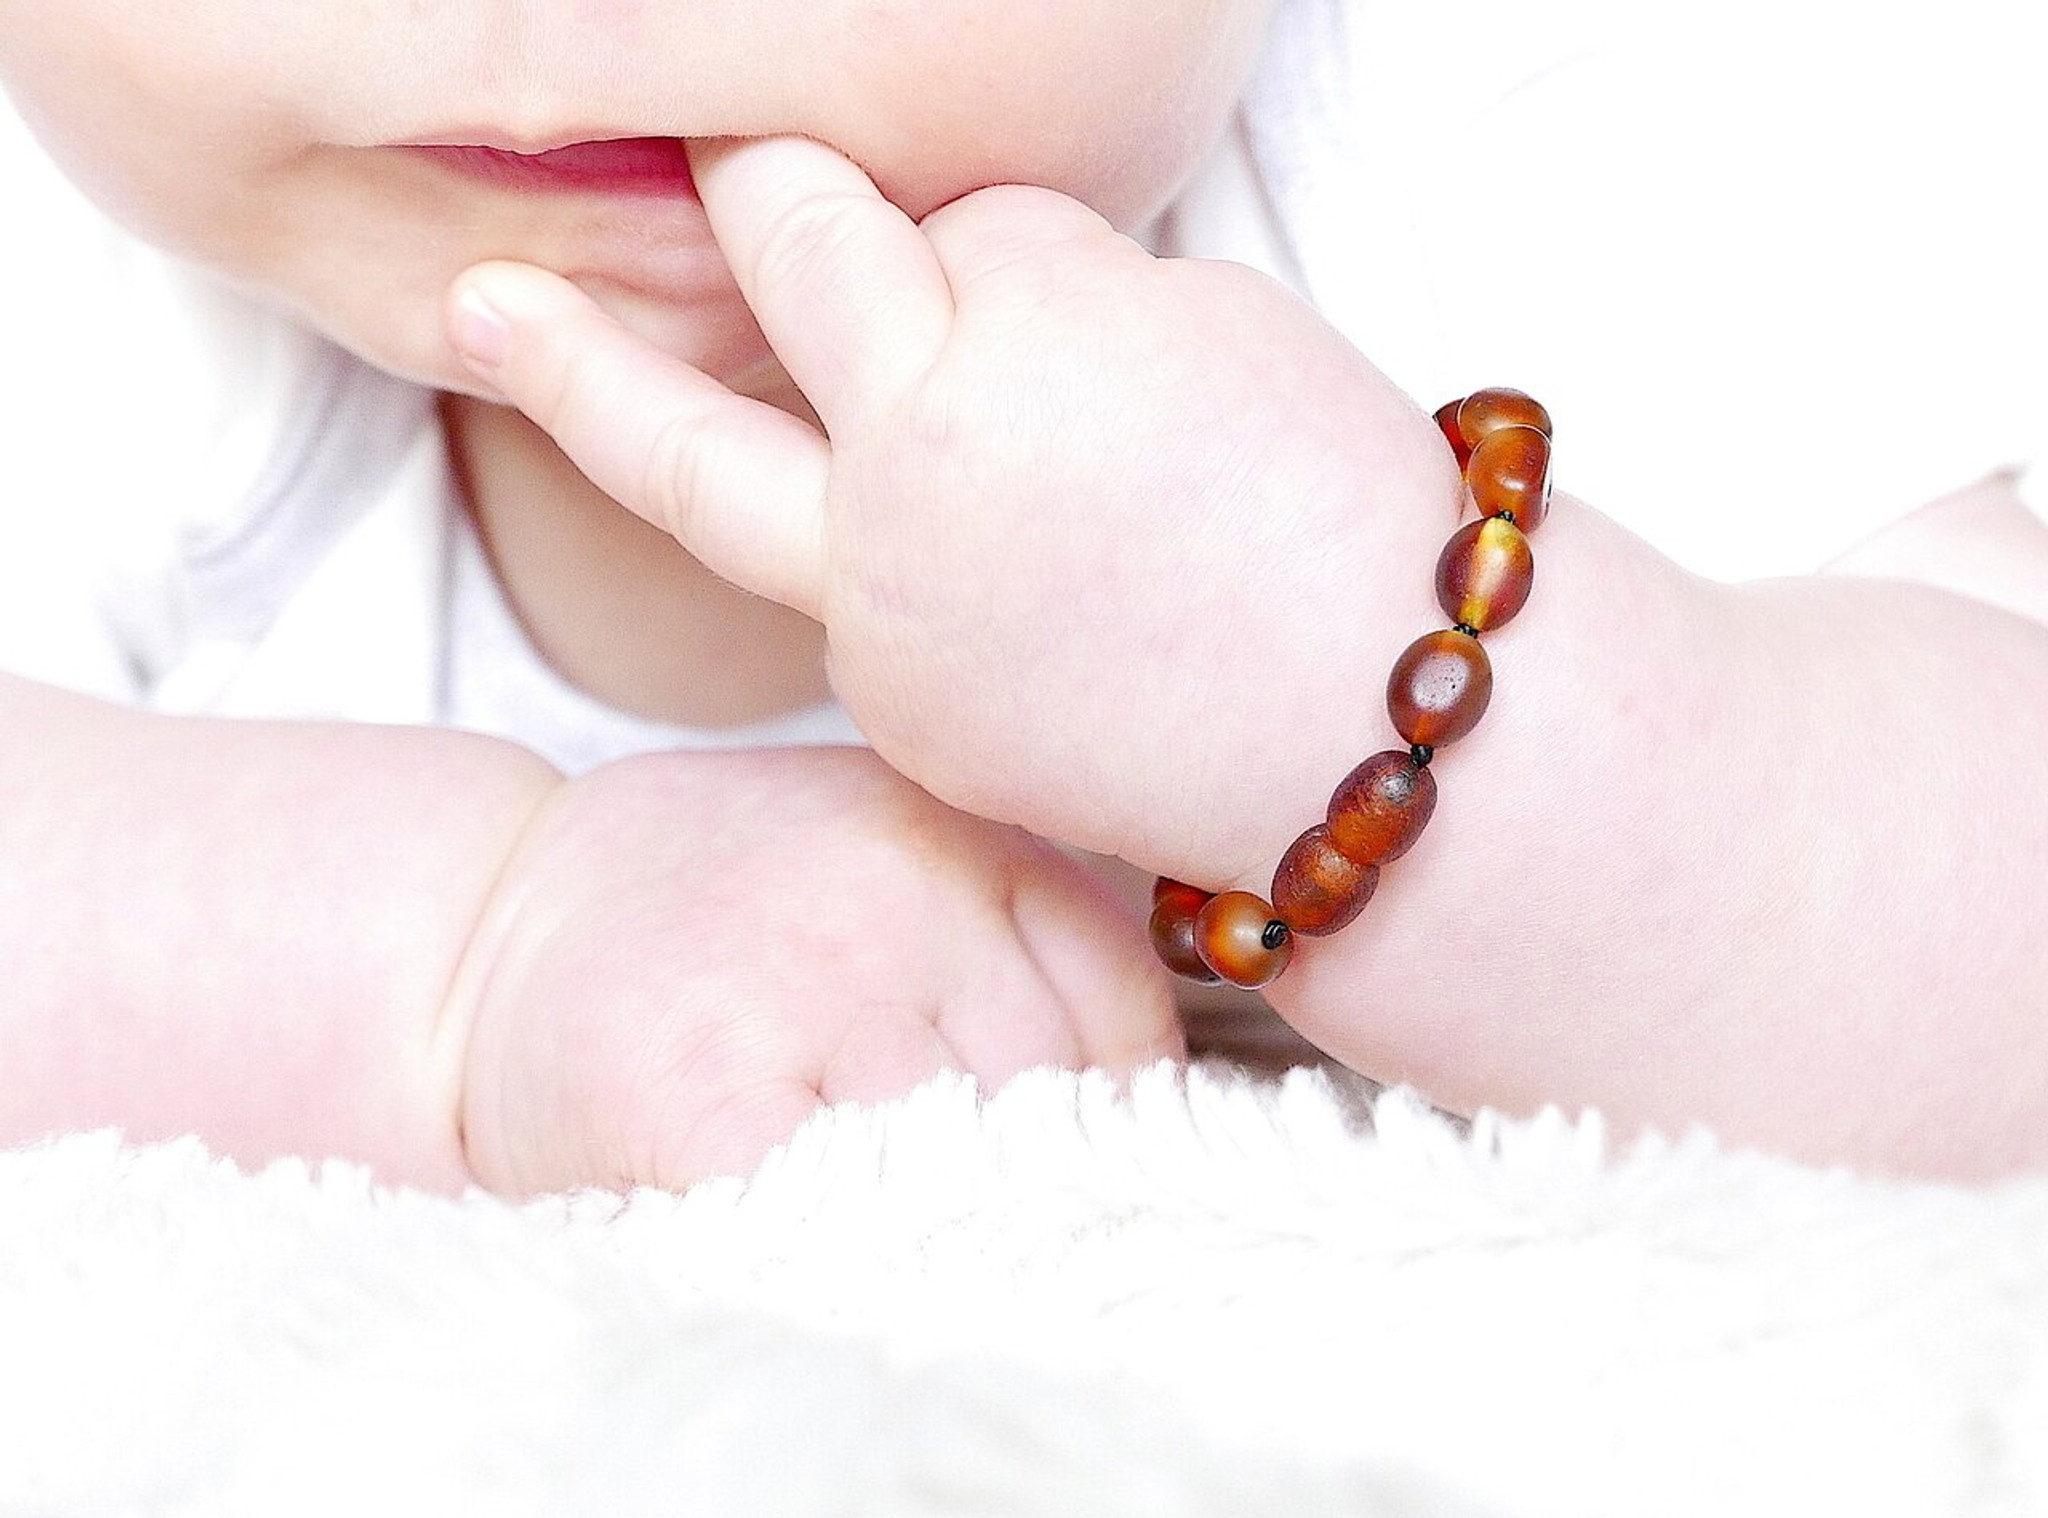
{"x":242,"y":929}
{"x":1768,"y":857}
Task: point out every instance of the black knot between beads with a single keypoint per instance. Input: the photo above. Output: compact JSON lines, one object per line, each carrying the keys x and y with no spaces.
{"x":1421,"y":753}
{"x":1466,"y":628}
{"x":1277,"y":933}
{"x":1506,"y":516}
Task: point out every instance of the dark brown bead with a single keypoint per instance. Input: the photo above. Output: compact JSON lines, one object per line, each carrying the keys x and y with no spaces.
{"x":1381,"y":808}
{"x":1234,"y":936}
{"x":1164,"y":890}
{"x":1447,"y":423}
{"x":1317,"y":890}
{"x":1172,"y":930}
{"x":1484,"y":573}
{"x":1439,"y":688}
{"x":1510,"y":471}
{"x":1484,"y":410}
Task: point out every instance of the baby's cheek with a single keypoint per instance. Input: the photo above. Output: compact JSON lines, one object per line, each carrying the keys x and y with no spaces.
{"x":157,"y":123}
{"x":1113,"y":105}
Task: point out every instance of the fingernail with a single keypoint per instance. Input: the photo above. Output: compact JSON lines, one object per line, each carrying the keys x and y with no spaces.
{"x":481,"y":333}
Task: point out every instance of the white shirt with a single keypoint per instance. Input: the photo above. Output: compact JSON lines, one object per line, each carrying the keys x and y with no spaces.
{"x":217,"y":512}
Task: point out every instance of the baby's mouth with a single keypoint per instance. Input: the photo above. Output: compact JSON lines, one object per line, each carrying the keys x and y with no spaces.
{"x":616,"y":166}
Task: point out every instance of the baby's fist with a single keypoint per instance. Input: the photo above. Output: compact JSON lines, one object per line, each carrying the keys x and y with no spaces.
{"x":1095,"y":536}
{"x":691,"y":953}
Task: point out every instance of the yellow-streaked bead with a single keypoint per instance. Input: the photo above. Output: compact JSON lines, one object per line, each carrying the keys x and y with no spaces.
{"x":1484,"y":573}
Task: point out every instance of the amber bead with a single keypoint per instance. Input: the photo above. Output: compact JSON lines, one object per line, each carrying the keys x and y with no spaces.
{"x":1447,"y":423}
{"x":1484,"y":573}
{"x":1483,"y":411}
{"x":1317,"y":889}
{"x":1439,"y":688}
{"x":1179,"y":892}
{"x":1172,"y":929}
{"x":1381,"y":808}
{"x":1241,"y":939}
{"x":1510,"y":471}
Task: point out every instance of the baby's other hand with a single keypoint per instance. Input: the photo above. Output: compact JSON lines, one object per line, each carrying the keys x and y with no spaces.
{"x":690,"y":953}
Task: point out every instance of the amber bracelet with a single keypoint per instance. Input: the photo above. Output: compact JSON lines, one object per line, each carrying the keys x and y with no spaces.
{"x":1436,"y":694}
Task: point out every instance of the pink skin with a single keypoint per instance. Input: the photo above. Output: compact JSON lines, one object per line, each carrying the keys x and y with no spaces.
{"x":654,"y":1004}
{"x":263,"y":140}
{"x":1585,"y":923}
{"x":1717,"y":854}
{"x":424,"y":951}
{"x":279,"y":146}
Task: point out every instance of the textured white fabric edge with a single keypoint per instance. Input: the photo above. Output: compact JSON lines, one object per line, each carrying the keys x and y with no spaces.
{"x":1216,"y":1296}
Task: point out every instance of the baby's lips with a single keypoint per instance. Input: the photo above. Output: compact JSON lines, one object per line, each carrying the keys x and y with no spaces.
{"x":658,"y":166}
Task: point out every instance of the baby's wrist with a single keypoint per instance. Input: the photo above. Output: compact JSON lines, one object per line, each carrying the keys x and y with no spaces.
{"x":1613,"y":657}
{"x":491,"y":942}
{"x":504,"y":789}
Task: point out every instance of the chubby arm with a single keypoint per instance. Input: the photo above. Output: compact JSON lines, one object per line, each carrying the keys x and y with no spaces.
{"x":1722,"y":867}
{"x":1980,"y":542}
{"x":1121,"y":550}
{"x":428,"y":952}
{"x":1765,"y":856}
{"x":243,"y":929}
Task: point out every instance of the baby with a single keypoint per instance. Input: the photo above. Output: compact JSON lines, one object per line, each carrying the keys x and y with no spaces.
{"x":1103,"y":548}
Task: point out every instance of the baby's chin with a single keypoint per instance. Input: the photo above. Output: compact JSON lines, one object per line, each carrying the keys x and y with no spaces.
{"x":716,"y":334}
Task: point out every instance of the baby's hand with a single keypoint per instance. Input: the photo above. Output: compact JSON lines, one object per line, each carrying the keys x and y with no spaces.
{"x":690,"y":953}
{"x":1092,"y":530}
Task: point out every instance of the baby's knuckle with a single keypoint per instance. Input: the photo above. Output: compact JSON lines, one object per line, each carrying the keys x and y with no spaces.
{"x":1004,"y":208}
{"x":1008,"y":200}
{"x":1012,"y":232}
{"x":573,"y":393}
{"x":671,"y":480}
{"x":806,"y":237}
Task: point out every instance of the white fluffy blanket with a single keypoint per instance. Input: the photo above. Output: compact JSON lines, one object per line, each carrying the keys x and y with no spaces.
{"x":1215,"y":1297}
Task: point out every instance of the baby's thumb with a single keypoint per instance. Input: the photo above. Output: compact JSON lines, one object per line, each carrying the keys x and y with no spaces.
{"x":740,"y":484}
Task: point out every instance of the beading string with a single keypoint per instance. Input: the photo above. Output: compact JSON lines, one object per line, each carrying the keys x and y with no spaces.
{"x":1436,"y":694}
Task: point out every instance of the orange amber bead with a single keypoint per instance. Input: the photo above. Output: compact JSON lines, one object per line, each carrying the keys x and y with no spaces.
{"x":1172,"y":929}
{"x":1381,"y":807}
{"x":1439,"y":688}
{"x":1239,"y":938}
{"x":1510,"y":471}
{"x":1484,"y":410}
{"x":1317,"y":890}
{"x":1484,"y":573}
{"x":1447,"y":423}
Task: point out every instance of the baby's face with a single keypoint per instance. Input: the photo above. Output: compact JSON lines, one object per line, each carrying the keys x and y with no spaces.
{"x":270,"y":139}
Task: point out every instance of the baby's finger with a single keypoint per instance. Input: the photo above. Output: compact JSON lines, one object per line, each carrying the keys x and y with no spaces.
{"x":739,"y":483}
{"x":845,"y":286}
{"x":882,"y":1053}
{"x":1117,"y":998}
{"x":1005,"y":1017}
